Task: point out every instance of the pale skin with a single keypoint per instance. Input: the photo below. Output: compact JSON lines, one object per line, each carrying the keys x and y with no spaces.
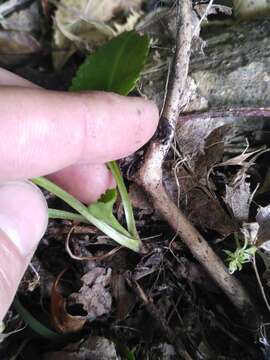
{"x":67,"y":137}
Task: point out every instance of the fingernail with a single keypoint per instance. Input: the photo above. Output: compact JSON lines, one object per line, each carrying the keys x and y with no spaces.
{"x":23,"y":214}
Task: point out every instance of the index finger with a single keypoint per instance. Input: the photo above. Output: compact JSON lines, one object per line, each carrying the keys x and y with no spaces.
{"x":43,"y":131}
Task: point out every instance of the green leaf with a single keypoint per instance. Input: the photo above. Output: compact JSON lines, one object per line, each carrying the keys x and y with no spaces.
{"x":115,"y":67}
{"x":103,"y":210}
{"x":240,"y":256}
{"x":36,"y":325}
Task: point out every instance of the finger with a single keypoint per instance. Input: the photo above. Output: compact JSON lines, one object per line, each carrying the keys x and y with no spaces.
{"x":85,"y":181}
{"x":7,"y":78}
{"x":23,"y":220}
{"x":44,"y":131}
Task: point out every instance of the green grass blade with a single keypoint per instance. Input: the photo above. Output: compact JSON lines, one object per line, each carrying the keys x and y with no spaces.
{"x":113,"y":166}
{"x":36,"y":325}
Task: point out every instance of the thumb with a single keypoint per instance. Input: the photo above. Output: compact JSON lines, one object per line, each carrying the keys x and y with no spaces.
{"x":23,"y":221}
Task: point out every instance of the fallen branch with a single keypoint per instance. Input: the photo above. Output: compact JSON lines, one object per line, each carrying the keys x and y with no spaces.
{"x":149,"y":176}
{"x":224,"y":113}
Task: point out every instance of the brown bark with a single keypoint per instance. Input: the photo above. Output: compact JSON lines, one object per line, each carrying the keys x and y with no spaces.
{"x":235,"y":68}
{"x":230,"y":68}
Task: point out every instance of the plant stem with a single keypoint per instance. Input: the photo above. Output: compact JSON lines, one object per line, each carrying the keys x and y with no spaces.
{"x":66,"y":215}
{"x":131,"y":225}
{"x":133,"y":244}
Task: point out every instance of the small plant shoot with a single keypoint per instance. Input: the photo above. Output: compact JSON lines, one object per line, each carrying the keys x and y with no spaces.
{"x":115,"y":67}
{"x":239,"y":257}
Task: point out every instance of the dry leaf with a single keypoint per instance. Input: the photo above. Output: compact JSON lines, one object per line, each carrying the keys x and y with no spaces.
{"x":200,"y":208}
{"x":238,"y":198}
{"x":195,"y":189}
{"x":130,"y":22}
{"x":148,"y":267}
{"x":16,"y":47}
{"x":27,"y":19}
{"x":125,"y":300}
{"x":192,"y":137}
{"x":263,"y":220}
{"x":87,"y":24}
{"x":62,"y":320}
{"x":94,"y":295}
{"x":215,"y":9}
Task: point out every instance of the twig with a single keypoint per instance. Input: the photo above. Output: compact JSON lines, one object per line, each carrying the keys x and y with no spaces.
{"x":149,"y":176}
{"x":224,"y":113}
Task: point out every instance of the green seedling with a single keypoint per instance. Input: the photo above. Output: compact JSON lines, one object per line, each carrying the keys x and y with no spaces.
{"x":115,"y":67}
{"x":242,"y":254}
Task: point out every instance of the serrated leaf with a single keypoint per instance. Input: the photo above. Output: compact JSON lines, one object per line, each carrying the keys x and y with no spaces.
{"x":103,"y":210}
{"x":115,"y":66}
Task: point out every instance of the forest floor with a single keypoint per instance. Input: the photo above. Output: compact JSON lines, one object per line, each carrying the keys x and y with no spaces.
{"x":167,"y":303}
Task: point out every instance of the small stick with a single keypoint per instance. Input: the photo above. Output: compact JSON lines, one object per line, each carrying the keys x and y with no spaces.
{"x":149,"y":176}
{"x":224,"y":113}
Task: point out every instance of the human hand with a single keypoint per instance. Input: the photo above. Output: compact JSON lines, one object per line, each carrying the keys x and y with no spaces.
{"x":68,"y":137}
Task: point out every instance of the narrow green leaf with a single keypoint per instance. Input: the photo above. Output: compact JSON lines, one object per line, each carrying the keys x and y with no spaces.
{"x":113,"y":166}
{"x":36,"y":325}
{"x":115,"y":66}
